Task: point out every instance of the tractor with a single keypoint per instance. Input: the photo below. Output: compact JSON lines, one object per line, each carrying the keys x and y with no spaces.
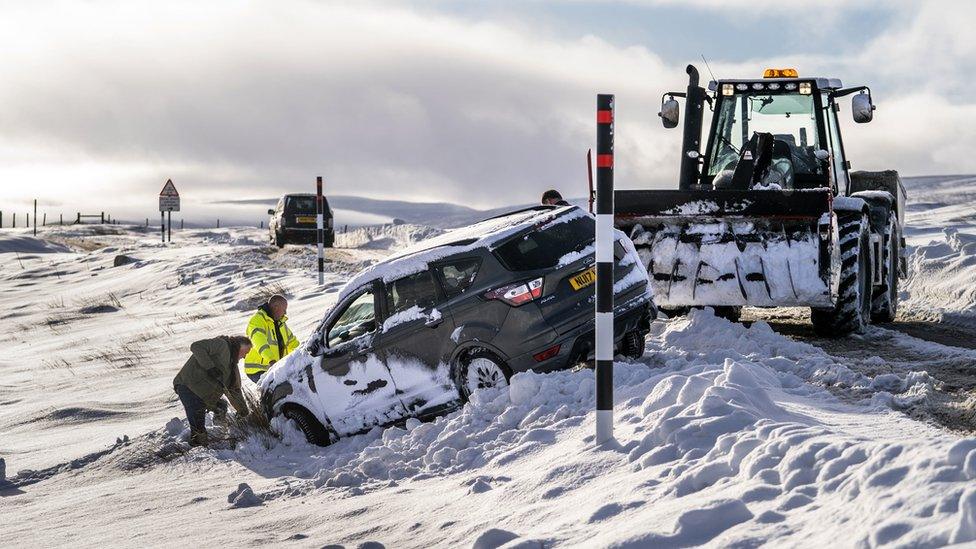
{"x":770,"y":213}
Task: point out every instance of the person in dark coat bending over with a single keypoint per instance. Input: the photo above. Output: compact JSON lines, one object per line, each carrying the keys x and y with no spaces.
{"x":210,"y":374}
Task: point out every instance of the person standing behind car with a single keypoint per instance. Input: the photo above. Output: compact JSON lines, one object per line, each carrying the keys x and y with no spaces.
{"x":209,"y":374}
{"x":553,"y":198}
{"x":271,"y":339}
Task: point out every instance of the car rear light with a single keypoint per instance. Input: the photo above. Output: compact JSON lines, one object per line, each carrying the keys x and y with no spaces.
{"x":517,"y":294}
{"x":547,"y":354}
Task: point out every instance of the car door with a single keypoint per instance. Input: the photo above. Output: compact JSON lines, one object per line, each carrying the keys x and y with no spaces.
{"x":353,"y":384}
{"x":416,"y":343}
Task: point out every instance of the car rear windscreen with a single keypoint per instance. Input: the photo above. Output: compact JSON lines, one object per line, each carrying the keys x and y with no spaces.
{"x":542,"y":248}
{"x":300,"y":204}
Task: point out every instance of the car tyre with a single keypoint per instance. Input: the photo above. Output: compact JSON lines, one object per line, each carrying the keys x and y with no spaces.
{"x":279,"y":240}
{"x":480,"y":369}
{"x":315,"y":433}
{"x":633,"y":344}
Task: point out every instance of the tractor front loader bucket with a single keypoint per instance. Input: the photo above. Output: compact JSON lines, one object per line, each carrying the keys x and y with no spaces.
{"x":733,"y":247}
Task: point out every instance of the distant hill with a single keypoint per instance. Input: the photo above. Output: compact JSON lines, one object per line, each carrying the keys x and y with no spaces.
{"x":443,"y":215}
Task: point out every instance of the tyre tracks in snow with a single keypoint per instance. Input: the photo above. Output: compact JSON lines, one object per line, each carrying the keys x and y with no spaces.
{"x":944,"y":347}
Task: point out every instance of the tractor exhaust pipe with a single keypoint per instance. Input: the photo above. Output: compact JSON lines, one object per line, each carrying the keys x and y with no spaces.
{"x":691,"y":142}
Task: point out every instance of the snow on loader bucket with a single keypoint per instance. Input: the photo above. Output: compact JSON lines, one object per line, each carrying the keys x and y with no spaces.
{"x":734,"y":247}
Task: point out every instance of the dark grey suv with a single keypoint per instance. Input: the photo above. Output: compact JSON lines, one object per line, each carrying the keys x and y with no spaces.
{"x":293,"y":221}
{"x":416,"y":334}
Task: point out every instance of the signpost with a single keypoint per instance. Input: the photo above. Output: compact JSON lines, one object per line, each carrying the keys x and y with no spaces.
{"x":169,"y":202}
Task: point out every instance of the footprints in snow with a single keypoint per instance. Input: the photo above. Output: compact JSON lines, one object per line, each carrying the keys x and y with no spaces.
{"x":481,"y":483}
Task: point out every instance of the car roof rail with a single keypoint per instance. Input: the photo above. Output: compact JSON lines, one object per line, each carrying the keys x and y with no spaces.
{"x":537,"y":207}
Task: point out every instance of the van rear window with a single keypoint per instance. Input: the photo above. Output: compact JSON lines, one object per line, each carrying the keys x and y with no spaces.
{"x":542,"y":248}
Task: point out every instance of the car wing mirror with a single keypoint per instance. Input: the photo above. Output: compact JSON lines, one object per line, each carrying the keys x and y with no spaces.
{"x":270,"y":212}
{"x":862,"y":108}
{"x":669,"y":113}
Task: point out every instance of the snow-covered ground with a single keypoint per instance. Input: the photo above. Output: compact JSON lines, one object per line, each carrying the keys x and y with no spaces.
{"x":725,"y":434}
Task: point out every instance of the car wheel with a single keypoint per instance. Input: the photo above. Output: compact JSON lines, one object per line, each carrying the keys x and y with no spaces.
{"x":633,"y":344}
{"x":480,"y":370}
{"x":315,"y":433}
{"x":279,"y":240}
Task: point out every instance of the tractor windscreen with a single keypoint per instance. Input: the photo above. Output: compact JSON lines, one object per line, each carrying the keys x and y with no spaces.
{"x":791,"y":119}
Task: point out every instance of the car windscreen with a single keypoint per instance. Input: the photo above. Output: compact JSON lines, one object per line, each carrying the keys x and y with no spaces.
{"x":542,"y":248}
{"x":300,"y":204}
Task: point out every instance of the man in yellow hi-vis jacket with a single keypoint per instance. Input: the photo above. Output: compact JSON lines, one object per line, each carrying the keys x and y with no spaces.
{"x":270,"y":337}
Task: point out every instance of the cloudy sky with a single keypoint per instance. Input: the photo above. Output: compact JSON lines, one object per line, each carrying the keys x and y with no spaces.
{"x":475,"y":102}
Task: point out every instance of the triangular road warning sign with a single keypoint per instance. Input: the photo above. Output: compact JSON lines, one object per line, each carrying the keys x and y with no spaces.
{"x":169,"y":189}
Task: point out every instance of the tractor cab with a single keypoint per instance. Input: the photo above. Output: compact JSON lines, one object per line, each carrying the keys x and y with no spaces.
{"x":777,"y":132}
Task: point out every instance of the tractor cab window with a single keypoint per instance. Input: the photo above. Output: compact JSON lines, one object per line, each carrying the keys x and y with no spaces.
{"x":791,"y":118}
{"x":838,"y":164}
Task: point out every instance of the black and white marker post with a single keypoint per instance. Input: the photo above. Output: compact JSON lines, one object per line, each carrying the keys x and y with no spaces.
{"x":604,"y":268}
{"x":320,"y":227}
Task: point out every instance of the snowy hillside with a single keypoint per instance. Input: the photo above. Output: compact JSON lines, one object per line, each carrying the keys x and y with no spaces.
{"x":726,"y":434}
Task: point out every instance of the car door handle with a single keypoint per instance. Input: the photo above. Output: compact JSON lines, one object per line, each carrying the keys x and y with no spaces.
{"x":434,"y":322}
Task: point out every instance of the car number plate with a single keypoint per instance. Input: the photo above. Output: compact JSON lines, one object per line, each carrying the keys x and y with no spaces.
{"x":305,"y":219}
{"x":584,"y":279}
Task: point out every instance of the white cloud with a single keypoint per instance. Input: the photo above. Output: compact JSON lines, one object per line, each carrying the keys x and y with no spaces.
{"x":384,"y":101}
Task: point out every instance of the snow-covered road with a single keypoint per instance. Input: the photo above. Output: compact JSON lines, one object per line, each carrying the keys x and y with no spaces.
{"x":727,"y":434}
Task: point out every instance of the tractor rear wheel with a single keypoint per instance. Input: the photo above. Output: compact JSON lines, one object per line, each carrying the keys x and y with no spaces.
{"x":852,"y":312}
{"x":884,"y":303}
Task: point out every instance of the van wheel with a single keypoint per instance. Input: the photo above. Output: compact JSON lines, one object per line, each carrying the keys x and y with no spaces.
{"x":480,"y":370}
{"x":884,"y":304}
{"x":852,"y":312}
{"x":315,"y":433}
{"x":633,"y":344}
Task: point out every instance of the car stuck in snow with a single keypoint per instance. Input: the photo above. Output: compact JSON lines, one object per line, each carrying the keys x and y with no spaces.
{"x":416,"y":334}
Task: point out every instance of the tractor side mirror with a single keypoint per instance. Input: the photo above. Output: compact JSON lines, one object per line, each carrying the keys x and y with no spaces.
{"x":862,"y":108}
{"x":669,"y":113}
{"x":270,"y":212}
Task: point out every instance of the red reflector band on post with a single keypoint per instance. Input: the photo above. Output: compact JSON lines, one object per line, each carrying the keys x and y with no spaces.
{"x":604,"y":161}
{"x":604,"y":117}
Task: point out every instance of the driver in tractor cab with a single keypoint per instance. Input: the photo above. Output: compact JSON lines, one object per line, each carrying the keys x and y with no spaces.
{"x":770,"y":134}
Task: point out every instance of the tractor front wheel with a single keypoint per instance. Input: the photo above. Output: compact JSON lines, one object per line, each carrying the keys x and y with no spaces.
{"x":852,"y":312}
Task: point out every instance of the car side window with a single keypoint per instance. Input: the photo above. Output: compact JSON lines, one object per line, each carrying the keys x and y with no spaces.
{"x":358,"y":319}
{"x":413,"y":290}
{"x":457,"y":276}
